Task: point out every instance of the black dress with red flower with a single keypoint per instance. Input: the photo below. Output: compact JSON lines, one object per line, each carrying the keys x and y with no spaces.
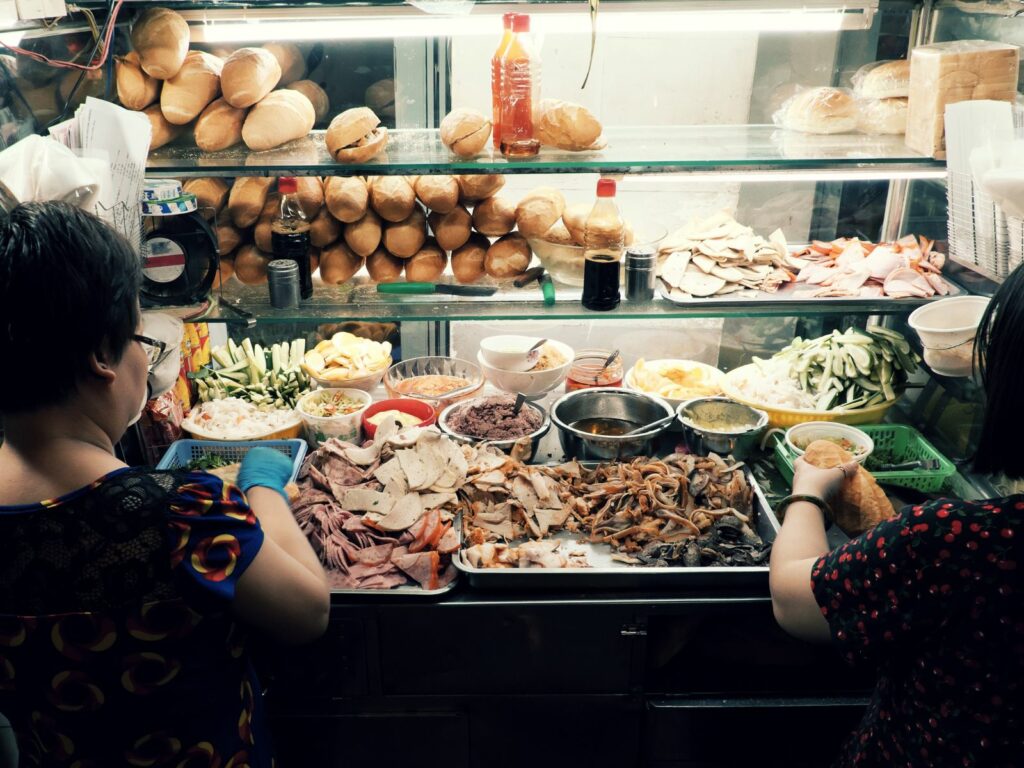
{"x":116,"y":642}
{"x":934,"y":601}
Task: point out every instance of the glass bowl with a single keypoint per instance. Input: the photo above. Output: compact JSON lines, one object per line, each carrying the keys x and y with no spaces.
{"x":418,"y":377}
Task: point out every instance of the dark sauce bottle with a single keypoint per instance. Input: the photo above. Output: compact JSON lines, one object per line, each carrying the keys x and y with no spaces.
{"x":602,"y":251}
{"x":289,"y":234}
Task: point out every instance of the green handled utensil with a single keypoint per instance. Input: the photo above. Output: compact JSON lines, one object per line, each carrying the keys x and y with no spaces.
{"x":454,"y":290}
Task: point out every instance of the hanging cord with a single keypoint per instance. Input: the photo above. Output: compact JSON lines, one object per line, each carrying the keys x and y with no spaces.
{"x":100,"y":50}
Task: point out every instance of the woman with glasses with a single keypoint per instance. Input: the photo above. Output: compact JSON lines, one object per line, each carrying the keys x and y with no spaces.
{"x":126,"y":594}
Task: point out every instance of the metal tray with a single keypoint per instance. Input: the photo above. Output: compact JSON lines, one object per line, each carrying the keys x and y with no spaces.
{"x":607,"y":573}
{"x":406,"y":591}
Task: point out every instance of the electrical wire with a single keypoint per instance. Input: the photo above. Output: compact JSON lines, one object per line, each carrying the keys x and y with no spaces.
{"x":100,"y":51}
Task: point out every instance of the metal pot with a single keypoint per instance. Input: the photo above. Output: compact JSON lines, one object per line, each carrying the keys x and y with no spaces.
{"x":505,"y":446}
{"x":634,"y":408}
{"x":699,"y":415}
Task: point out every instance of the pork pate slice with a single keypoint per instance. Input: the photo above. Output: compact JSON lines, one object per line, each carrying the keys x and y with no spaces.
{"x":406,"y":511}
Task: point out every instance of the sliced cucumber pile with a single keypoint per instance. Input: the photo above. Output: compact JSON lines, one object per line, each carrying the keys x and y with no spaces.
{"x":270,"y":377}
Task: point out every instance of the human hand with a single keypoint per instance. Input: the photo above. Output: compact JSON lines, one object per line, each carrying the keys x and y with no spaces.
{"x":824,"y":483}
{"x":266,"y":468}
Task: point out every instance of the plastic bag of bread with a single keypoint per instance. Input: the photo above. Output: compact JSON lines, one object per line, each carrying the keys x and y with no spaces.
{"x":860,"y":504}
{"x":819,"y":110}
{"x":565,"y":125}
{"x":883,"y":80}
{"x":882,"y":116}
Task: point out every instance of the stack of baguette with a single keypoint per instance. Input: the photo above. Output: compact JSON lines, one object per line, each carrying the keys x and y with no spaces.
{"x":224,"y":101}
{"x":394,"y":226}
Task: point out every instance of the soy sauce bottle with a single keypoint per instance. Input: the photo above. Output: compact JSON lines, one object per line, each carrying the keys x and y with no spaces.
{"x":289,"y":233}
{"x":602,"y":250}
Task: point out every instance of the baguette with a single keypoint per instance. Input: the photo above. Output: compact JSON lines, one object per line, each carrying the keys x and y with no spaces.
{"x":508,"y":257}
{"x":251,"y":265}
{"x":538,"y":211}
{"x":465,"y":131}
{"x":160,"y":37}
{"x":281,"y":117}
{"x":347,"y":197}
{"x":440,"y":194}
{"x":356,"y":136}
{"x":135,"y":89}
{"x":228,"y":237}
{"x":476,"y":187}
{"x":451,"y":229}
{"x":248,"y":195}
{"x":427,"y":264}
{"x":324,"y":229}
{"x":262,"y":234}
{"x":316,"y":95}
{"x":163,"y":132}
{"x":468,"y":261}
{"x":211,"y":193}
{"x":392,"y":197}
{"x":494,"y":217}
{"x":383,"y":267}
{"x":189,"y":92}
{"x":219,"y":126}
{"x":311,"y":195}
{"x":364,"y":236}
{"x":405,"y":238}
{"x":338,"y":264}
{"x":290,"y":59}
{"x":249,"y":74}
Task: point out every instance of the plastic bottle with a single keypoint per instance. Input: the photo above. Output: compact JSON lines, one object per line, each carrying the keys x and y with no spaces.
{"x":602,"y":250}
{"x":289,"y":233}
{"x":520,"y":87}
{"x":506,"y":38}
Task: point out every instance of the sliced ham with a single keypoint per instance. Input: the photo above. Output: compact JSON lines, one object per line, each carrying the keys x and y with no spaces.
{"x":906,"y":282}
{"x":421,"y":567}
{"x":406,"y":511}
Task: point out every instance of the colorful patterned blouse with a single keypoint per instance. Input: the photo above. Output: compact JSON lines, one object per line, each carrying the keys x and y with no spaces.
{"x":934,"y":601}
{"x":116,"y":645}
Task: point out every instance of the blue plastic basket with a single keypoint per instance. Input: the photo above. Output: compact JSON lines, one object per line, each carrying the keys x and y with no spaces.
{"x":183,"y":452}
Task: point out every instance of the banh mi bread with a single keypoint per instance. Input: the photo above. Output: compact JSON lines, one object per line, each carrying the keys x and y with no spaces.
{"x":248,"y":194}
{"x":225,"y":269}
{"x":468,"y":261}
{"x":314,"y":259}
{"x":310,"y":192}
{"x":162,"y":132}
{"x":316,"y":95}
{"x":356,"y":136}
{"x":565,"y":125}
{"x":251,"y":265}
{"x":405,"y":238}
{"x":290,"y":59}
{"x":558,"y":234}
{"x":465,"y":131}
{"x":820,"y":110}
{"x":392,"y":197}
{"x":364,"y":236}
{"x":883,"y":80}
{"x":538,"y":211}
{"x":261,"y":234}
{"x":575,"y":219}
{"x":280,"y":117}
{"x":324,"y":229}
{"x":451,"y":229}
{"x":189,"y":92}
{"x":219,"y":126}
{"x":228,"y":237}
{"x":211,"y":194}
{"x":229,"y":474}
{"x":160,"y":37}
{"x":383,"y":267}
{"x":427,"y":264}
{"x":508,"y":257}
{"x":860,"y":504}
{"x":135,"y":89}
{"x":338,"y":264}
{"x":476,"y":187}
{"x":494,"y":216}
{"x":380,"y":97}
{"x":438,"y":193}
{"x":347,"y":197}
{"x":249,"y":74}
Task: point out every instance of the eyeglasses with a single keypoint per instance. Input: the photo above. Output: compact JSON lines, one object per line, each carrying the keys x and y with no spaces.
{"x":156,"y":350}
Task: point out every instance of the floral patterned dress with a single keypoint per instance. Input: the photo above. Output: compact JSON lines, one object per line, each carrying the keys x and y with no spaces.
{"x":933,"y":601}
{"x":116,"y":645}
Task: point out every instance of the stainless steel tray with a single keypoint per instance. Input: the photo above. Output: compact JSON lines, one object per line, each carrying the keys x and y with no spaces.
{"x":607,"y":573}
{"x":406,"y":591}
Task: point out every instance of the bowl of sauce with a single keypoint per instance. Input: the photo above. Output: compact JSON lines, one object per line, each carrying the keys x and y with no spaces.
{"x":439,"y":381}
{"x":592,"y":423}
{"x":721,"y":425}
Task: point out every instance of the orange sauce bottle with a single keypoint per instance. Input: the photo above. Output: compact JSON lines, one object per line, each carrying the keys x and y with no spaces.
{"x":506,"y":38}
{"x":520,"y":84}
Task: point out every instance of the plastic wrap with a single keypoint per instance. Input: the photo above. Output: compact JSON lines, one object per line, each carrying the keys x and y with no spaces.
{"x":882,"y":116}
{"x":821,"y":110}
{"x":883,"y":80}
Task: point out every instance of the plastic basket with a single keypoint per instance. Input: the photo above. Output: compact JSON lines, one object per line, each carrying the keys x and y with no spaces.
{"x":894,"y":444}
{"x":183,"y":452}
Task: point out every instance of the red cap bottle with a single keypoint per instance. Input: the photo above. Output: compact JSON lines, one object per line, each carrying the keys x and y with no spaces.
{"x":606,"y":187}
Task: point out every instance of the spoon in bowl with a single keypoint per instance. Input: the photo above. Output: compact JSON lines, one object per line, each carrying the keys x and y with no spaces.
{"x":653,"y":425}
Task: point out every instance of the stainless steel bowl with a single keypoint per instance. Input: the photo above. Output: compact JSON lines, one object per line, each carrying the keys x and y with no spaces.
{"x":699,"y":415}
{"x":504,"y":445}
{"x":636,"y":408}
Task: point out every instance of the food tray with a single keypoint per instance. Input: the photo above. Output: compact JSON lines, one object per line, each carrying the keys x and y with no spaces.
{"x":405,"y":592}
{"x":181,"y":452}
{"x":607,"y":573}
{"x":896,"y":443}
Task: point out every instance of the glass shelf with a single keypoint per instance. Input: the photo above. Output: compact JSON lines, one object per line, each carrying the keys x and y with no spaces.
{"x":359,"y":300}
{"x":642,"y":149}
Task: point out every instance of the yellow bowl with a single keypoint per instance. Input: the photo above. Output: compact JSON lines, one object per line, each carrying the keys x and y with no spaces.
{"x":787,"y":417}
{"x":286,"y":433}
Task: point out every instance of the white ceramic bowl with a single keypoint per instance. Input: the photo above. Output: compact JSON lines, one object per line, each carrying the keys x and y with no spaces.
{"x":530,"y":383}
{"x":714,"y":376}
{"x":367,"y":383}
{"x":808,"y":432}
{"x":347,"y":427}
{"x":510,"y":353}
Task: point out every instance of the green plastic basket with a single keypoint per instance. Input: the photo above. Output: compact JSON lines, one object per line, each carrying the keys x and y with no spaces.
{"x":894,"y":444}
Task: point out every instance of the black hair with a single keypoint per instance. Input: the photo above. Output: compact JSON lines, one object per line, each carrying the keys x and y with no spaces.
{"x":999,"y":350}
{"x":69,"y":287}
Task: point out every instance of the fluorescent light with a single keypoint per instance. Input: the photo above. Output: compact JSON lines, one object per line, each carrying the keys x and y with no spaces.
{"x":790,"y":177}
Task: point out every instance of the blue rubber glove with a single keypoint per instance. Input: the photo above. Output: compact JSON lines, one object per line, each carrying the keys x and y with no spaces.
{"x":266,"y":468}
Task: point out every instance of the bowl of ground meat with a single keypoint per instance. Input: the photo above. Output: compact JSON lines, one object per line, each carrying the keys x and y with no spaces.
{"x":491,"y":420}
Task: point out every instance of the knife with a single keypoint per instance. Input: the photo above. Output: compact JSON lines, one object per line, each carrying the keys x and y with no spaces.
{"x":455,"y":290}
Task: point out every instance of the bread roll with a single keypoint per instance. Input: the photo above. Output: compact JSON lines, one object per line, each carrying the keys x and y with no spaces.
{"x":508,"y":257}
{"x":558,"y":234}
{"x":539,"y":210}
{"x":356,"y":135}
{"x":211,"y":193}
{"x":476,"y":187}
{"x":248,"y":76}
{"x":228,"y":237}
{"x":883,"y":80}
{"x":310,"y":191}
{"x":338,"y":264}
{"x":316,"y":95}
{"x":251,"y":265}
{"x":860,"y":504}
{"x":135,"y":89}
{"x":347,"y":197}
{"x":324,"y":229}
{"x":247,"y":198}
{"x":565,"y":125}
{"x":451,"y":229}
{"x":820,"y":110}
{"x":392,"y":197}
{"x":314,"y":260}
{"x":160,"y":37}
{"x":262,"y":234}
{"x":383,"y":267}
{"x":291,"y":61}
{"x":364,"y":236}
{"x":225,"y":269}
{"x":465,"y":131}
{"x":883,"y":116}
{"x":163,"y":132}
{"x":188,"y":93}
{"x":468,"y":261}
{"x":406,"y":237}
{"x":494,"y":217}
{"x":427,"y":265}
{"x":575,"y":219}
{"x":219,"y":126}
{"x":439,"y":193}
{"x":380,"y":97}
{"x":281,"y":117}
